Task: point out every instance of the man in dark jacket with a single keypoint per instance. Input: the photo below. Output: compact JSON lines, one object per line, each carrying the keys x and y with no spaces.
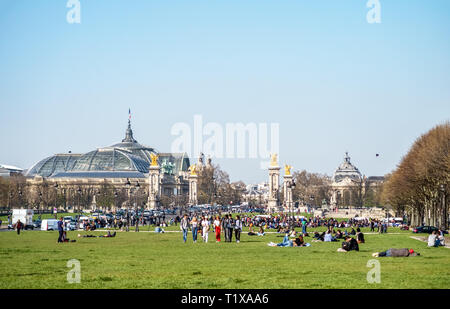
{"x":19,"y":226}
{"x":60,"y":229}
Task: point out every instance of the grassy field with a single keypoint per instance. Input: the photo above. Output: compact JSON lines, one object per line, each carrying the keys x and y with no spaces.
{"x":150,"y":260}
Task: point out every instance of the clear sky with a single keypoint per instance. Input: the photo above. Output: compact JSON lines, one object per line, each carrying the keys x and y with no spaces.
{"x":332,"y":81}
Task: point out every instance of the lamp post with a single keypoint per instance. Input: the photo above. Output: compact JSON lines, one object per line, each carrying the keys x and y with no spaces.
{"x":79,"y":197}
{"x":56,"y":195}
{"x":290,"y":186}
{"x":40,"y":201}
{"x":20,"y":197}
{"x":9,"y":199}
{"x":115,"y":201}
{"x":444,"y":206}
{"x":136,"y":206}
{"x":128,"y":186}
{"x":65,"y":200}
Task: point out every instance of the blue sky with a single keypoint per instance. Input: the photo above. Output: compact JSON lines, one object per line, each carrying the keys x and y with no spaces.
{"x":332,"y":81}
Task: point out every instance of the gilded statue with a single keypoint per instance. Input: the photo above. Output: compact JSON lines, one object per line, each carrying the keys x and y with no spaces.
{"x":274,"y":160}
{"x":154,"y":158}
{"x":193,"y":169}
{"x":287,"y":170}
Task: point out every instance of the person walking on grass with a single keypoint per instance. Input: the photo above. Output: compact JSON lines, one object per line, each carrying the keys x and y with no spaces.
{"x":238,"y":229}
{"x":205,"y":229}
{"x":230,"y":227}
{"x":184,"y":227}
{"x":217,"y":224}
{"x":304,"y":223}
{"x":19,"y":226}
{"x":194,"y":225}
{"x":225,"y":227}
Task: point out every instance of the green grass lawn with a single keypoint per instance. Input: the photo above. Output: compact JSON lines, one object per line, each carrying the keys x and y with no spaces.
{"x":150,"y":260}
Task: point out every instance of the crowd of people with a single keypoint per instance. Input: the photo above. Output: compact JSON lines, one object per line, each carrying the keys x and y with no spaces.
{"x":203,"y":225}
{"x":227,"y":227}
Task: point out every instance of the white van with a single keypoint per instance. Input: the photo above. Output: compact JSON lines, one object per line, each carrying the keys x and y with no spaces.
{"x":25,"y":216}
{"x":49,"y":225}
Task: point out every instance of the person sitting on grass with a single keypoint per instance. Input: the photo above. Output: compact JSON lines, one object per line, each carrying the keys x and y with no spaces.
{"x":261,"y":231}
{"x":328,"y":237}
{"x":433,"y":240}
{"x":441,"y":238}
{"x":293,"y":234}
{"x":349,"y":244}
{"x":319,"y":237}
{"x":360,"y":236}
{"x":65,"y":239}
{"x":339,"y":235}
{"x":405,"y":252}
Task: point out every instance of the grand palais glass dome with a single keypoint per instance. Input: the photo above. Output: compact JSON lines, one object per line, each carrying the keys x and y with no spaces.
{"x":127,"y":159}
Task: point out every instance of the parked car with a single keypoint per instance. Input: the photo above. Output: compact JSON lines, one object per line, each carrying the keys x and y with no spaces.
{"x":37,"y":224}
{"x":426,"y":229}
{"x":72,"y":226}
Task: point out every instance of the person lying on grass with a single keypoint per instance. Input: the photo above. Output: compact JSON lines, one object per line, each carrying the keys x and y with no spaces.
{"x":405,"y":252}
{"x":297,"y":242}
{"x":349,"y":244}
{"x":106,"y":235}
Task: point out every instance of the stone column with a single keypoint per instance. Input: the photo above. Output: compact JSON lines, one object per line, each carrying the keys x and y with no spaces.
{"x":288,"y":193}
{"x":193,"y":184}
{"x":154,"y":189}
{"x":274,"y":188}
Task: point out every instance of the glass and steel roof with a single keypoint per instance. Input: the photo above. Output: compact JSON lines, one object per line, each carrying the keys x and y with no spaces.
{"x":53,"y":165}
{"x":109,"y":162}
{"x":97,"y":174}
{"x":110,"y":159}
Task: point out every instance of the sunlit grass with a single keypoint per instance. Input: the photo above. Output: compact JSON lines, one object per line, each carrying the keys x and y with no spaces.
{"x":150,"y":260}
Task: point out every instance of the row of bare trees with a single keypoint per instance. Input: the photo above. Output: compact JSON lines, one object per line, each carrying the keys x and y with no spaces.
{"x":419,"y":185}
{"x":311,"y":188}
{"x":214,"y":187}
{"x":15,"y":192}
